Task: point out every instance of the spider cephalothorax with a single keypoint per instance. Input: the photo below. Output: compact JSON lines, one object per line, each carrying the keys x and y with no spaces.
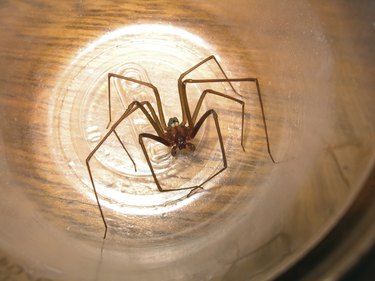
{"x":176,"y":135}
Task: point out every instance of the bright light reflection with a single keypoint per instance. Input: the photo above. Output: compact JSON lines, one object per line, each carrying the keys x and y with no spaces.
{"x":144,"y":28}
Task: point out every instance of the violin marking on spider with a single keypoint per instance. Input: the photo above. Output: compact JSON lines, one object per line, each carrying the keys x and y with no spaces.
{"x":176,"y":135}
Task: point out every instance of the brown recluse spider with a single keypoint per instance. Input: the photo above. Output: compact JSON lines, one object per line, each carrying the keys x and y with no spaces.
{"x":175,"y":134}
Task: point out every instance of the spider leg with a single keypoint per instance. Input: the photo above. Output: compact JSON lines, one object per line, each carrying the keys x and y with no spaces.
{"x":212,"y":57}
{"x":209,"y":91}
{"x":132,"y":107}
{"x":153,"y":114}
{"x":195,"y":131}
{"x":127,"y":152}
{"x":154,"y":89}
{"x":182,"y":90}
{"x":166,"y":143}
{"x":254,"y":80}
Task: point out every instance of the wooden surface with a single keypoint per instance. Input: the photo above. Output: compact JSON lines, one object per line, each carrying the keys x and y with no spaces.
{"x":39,"y":40}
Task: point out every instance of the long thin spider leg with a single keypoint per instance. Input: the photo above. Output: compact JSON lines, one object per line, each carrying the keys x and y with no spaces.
{"x":89,"y":168}
{"x":195,"y":131}
{"x":154,"y":89}
{"x":182,"y":90}
{"x":153,"y":114}
{"x":166,"y":143}
{"x":158,"y":139}
{"x":90,"y":173}
{"x":209,"y":91}
{"x":140,"y":105}
{"x":127,"y":152}
{"x":132,"y":107}
{"x":96,"y":196}
{"x":254,"y":80}
{"x":212,"y":57}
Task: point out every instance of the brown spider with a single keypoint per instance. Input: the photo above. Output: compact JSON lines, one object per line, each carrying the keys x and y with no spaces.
{"x":177,"y":135}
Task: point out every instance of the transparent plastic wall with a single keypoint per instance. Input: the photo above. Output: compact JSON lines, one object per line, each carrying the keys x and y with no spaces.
{"x":314,"y":64}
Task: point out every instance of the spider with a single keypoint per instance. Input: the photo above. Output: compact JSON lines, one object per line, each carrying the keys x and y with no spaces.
{"x":176,"y":135}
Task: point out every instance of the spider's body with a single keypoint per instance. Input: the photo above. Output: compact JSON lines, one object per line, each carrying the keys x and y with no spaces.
{"x":177,"y":135}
